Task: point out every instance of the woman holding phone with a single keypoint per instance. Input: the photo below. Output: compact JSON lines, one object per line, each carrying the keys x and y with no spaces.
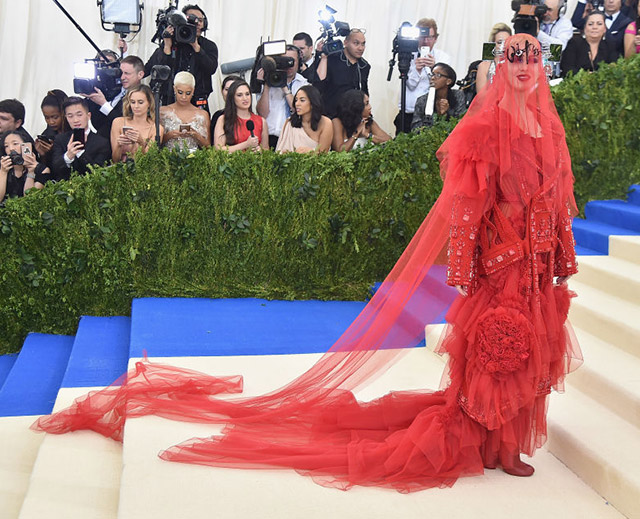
{"x":53,"y":114}
{"x":136,"y":130}
{"x":185,"y":125}
{"x":19,"y":169}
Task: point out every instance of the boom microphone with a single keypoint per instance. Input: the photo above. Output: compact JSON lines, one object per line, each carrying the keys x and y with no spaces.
{"x":241,"y":65}
{"x":251,"y":127}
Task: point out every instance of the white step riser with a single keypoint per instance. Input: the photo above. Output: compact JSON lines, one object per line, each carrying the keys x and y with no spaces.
{"x":625,"y":247}
{"x":611,"y":282}
{"x":595,"y":471}
{"x":607,"y":392}
{"x":620,"y":334}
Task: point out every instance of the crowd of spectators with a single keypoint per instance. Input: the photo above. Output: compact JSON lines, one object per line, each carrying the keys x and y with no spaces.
{"x":323,"y":105}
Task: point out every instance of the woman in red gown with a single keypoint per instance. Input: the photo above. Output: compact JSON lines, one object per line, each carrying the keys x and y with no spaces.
{"x":504,"y":216}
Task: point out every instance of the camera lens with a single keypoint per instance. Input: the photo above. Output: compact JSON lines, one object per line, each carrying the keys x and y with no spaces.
{"x":16,"y":158}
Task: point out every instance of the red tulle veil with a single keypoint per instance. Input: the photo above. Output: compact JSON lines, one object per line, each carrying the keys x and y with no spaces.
{"x":405,"y":440}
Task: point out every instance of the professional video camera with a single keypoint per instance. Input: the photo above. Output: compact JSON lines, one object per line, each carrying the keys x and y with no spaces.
{"x":95,"y":73}
{"x":528,"y":16}
{"x":329,"y":33}
{"x":598,"y":5}
{"x":271,"y":59}
{"x":184,"y":27}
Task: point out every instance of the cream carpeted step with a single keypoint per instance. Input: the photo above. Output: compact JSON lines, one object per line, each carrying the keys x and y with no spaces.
{"x":18,"y":451}
{"x":610,"y":318}
{"x":76,"y":475}
{"x":611,"y":275}
{"x":610,"y":376}
{"x":599,"y":446}
{"x":624,"y":247}
{"x":156,"y":489}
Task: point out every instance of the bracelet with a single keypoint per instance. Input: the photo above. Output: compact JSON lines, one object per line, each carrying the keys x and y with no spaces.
{"x":31,"y":175}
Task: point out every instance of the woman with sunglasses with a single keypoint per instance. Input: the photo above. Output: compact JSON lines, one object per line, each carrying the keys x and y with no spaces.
{"x":447,"y":102}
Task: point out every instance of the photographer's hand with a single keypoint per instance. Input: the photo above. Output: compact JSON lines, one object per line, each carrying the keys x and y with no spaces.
{"x":196,"y":46}
{"x":5,"y":165}
{"x":97,"y":97}
{"x":430,"y":61}
{"x":421,"y":63}
{"x":587,"y":9}
{"x":122,"y":45}
{"x":260,"y":74}
{"x":30,"y":162}
{"x":168,"y":41}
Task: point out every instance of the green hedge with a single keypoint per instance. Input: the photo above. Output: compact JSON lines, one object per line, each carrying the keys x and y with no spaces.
{"x":213,"y":224}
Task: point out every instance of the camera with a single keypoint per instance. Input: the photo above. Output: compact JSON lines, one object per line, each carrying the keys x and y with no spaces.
{"x":598,"y":5}
{"x":184,"y":27}
{"x":270,"y":57}
{"x":16,"y":158}
{"x":95,"y":73}
{"x":528,"y":16}
{"x":329,"y":32}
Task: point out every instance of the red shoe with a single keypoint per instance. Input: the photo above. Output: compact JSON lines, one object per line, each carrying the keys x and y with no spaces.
{"x":513,"y":465}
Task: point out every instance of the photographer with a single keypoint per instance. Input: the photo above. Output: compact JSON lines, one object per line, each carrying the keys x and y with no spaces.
{"x":132,"y":69}
{"x":343,"y":71}
{"x":418,"y":78}
{"x":19,"y":169}
{"x":200,"y":58}
{"x":303,"y":41}
{"x":615,"y":21}
{"x":276,"y":104}
{"x":554,"y":29}
{"x":77,"y":149}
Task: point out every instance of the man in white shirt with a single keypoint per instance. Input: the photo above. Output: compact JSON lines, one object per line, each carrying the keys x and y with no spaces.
{"x":418,"y":77}
{"x":554,"y":29}
{"x":276,"y":104}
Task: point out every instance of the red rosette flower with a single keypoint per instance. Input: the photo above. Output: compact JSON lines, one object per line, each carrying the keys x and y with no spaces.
{"x":503,"y":340}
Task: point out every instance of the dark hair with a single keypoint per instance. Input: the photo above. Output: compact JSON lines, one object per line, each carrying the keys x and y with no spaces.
{"x":75,"y":100}
{"x":316,"y":107}
{"x":4,"y":136}
{"x":13,"y":107}
{"x":451,"y":74}
{"x":350,"y":108}
{"x":135,"y":62}
{"x":232,"y":77}
{"x":303,"y":36}
{"x":231,"y":111}
{"x":594,"y":13}
{"x":55,"y":99}
{"x":188,"y":7}
{"x":298,"y":53}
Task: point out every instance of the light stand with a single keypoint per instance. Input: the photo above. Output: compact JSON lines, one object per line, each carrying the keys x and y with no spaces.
{"x":160,"y":74}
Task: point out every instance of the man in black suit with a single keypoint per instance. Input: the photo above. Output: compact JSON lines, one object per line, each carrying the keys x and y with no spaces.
{"x":72,"y":155}
{"x":615,"y":21}
{"x":104,"y":112}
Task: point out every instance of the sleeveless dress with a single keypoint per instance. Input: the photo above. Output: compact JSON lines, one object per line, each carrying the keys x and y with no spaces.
{"x":292,"y":138}
{"x":503,"y":219}
{"x":172,"y":122}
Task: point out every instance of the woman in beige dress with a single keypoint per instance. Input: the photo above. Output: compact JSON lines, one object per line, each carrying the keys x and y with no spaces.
{"x":136,"y":130}
{"x":307,"y":130}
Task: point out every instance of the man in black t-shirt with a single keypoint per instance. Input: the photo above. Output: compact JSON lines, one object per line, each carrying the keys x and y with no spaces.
{"x":342,"y":71}
{"x":200,"y":58}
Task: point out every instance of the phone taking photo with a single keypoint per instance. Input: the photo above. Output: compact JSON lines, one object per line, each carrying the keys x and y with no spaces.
{"x":78,"y":135}
{"x":425,"y":51}
{"x":185,"y":127}
{"x":25,"y":148}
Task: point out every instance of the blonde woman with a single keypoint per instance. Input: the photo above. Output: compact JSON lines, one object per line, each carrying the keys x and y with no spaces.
{"x":184,"y":124}
{"x":486,"y":69}
{"x":136,"y":130}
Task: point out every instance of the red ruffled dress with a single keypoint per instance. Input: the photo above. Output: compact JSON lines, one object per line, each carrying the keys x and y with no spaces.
{"x":504,"y":215}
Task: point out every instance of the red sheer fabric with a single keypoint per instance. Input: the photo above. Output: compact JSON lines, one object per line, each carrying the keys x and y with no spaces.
{"x":507,"y":186}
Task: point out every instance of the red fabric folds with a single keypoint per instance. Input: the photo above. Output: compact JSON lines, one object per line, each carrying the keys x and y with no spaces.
{"x":508,"y":342}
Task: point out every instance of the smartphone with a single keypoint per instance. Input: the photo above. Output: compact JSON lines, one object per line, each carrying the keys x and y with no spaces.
{"x":78,"y":135}
{"x":44,"y":139}
{"x":185,"y":127}
{"x":25,"y":147}
{"x":425,"y":51}
{"x":125,"y":129}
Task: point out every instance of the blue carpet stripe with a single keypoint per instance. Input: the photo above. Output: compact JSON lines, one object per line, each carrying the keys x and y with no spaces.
{"x":595,"y":235}
{"x":6,"y":363}
{"x":32,"y":385}
{"x":634,"y":194}
{"x":100,"y":352}
{"x":614,"y":212}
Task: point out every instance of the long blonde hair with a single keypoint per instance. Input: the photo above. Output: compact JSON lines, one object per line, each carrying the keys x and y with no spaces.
{"x":126,"y":103}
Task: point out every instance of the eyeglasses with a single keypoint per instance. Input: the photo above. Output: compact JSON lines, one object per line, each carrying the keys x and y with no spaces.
{"x":363,"y":31}
{"x":437,"y":75}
